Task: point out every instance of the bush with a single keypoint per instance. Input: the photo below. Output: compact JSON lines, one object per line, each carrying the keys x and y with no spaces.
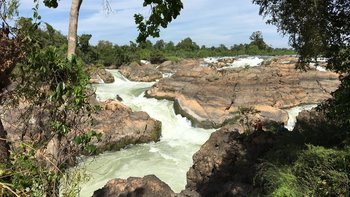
{"x":157,"y":58}
{"x":324,"y":171}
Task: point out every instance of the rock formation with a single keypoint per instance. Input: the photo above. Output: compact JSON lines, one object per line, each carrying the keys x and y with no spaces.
{"x":226,"y":164}
{"x":118,"y":124}
{"x":148,"y":186}
{"x":98,"y":75}
{"x":121,"y":127}
{"x":210,"y":98}
{"x":136,"y":72}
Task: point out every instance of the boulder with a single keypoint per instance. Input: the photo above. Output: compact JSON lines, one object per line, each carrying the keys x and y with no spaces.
{"x":121,"y":127}
{"x":310,"y":124}
{"x":148,"y":186}
{"x":106,"y":76}
{"x":100,"y":75}
{"x":136,"y":72}
{"x":226,"y":164}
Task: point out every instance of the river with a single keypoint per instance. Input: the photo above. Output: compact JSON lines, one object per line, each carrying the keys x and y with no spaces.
{"x":169,"y":159}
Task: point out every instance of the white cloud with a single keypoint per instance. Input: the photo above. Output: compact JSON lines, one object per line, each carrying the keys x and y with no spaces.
{"x":207,"y":22}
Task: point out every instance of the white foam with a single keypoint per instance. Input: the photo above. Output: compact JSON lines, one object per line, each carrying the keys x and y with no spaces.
{"x":294,"y":112}
{"x":237,"y":63}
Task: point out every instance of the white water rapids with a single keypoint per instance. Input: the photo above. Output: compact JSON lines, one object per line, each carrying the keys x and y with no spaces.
{"x":168,"y":159}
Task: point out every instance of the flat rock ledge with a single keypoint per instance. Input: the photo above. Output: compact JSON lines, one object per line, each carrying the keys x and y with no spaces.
{"x":144,"y":73}
{"x":212,"y":98}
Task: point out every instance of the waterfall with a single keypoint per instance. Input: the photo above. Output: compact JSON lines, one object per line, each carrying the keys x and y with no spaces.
{"x":168,"y":159}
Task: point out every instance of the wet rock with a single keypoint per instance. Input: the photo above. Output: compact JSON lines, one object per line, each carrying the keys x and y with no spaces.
{"x":106,"y":76}
{"x":100,"y":75}
{"x":121,"y":127}
{"x":148,"y":186}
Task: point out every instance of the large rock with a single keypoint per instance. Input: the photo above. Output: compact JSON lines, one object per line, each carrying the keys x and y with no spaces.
{"x":226,"y":164}
{"x":148,"y":186}
{"x":209,"y":97}
{"x":100,"y":75}
{"x":121,"y":127}
{"x":310,"y":124}
{"x":136,"y":72}
{"x":118,"y":124}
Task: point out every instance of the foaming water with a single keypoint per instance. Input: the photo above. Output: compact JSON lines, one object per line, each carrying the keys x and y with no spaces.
{"x":168,"y":159}
{"x":293,"y":113}
{"x":238,"y":62}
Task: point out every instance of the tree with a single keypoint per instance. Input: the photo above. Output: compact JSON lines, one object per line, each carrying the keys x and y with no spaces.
{"x":187,"y":44}
{"x":162,"y":13}
{"x":170,"y":46}
{"x":105,"y":51}
{"x":258,"y":40}
{"x":318,"y":28}
{"x":84,"y":42}
{"x":159,"y":45}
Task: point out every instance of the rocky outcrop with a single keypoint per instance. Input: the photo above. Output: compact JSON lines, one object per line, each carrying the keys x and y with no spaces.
{"x":136,"y":72}
{"x":148,"y":186}
{"x":118,"y":124}
{"x":310,"y":124}
{"x":209,"y":97}
{"x":226,"y":164}
{"x":121,"y":127}
{"x":106,"y":76}
{"x":100,"y":75}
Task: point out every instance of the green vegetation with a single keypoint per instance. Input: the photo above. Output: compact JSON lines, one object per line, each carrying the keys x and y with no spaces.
{"x":107,"y":54}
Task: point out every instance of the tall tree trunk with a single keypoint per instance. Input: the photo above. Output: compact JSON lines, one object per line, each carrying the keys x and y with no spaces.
{"x":73,"y":27}
{"x":4,"y":147}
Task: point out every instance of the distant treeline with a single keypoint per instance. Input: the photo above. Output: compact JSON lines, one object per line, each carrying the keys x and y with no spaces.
{"x":106,"y":53}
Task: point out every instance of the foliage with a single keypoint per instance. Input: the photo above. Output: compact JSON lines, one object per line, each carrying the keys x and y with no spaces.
{"x":280,"y":181}
{"x":324,"y":171}
{"x":162,"y":14}
{"x":245,"y":118}
{"x":258,"y":40}
{"x":45,"y":82}
{"x":8,"y":9}
{"x":108,"y":54}
{"x":157,"y":58}
{"x":293,"y":169}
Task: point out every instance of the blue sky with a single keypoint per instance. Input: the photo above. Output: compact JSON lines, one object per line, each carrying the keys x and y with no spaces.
{"x":207,"y":22}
